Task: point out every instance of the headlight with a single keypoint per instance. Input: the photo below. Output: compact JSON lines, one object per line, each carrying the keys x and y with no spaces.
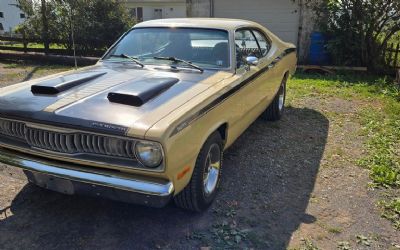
{"x":149,"y":153}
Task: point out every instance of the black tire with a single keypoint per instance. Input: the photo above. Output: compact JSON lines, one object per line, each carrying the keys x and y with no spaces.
{"x":275,"y":110}
{"x":193,"y":197}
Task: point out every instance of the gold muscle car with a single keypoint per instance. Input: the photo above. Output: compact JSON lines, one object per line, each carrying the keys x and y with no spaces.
{"x":150,"y":121}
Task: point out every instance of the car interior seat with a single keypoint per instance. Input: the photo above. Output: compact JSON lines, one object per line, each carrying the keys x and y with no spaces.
{"x":180,"y":46}
{"x":220,"y":54}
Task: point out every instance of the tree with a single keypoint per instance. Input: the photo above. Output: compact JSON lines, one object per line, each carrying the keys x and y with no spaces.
{"x":40,"y":22}
{"x":45,"y":26}
{"x":96,"y":24}
{"x":359,"y":29}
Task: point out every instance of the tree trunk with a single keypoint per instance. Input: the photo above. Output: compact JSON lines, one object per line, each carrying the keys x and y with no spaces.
{"x":376,"y":57}
{"x":45,"y":31}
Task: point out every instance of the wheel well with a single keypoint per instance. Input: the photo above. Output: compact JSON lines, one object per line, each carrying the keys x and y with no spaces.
{"x":223,"y":131}
{"x":286,"y":75}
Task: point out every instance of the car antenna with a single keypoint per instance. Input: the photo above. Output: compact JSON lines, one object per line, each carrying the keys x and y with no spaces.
{"x":72,"y":36}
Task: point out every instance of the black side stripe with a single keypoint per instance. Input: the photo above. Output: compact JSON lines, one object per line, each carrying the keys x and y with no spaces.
{"x":232,"y":91}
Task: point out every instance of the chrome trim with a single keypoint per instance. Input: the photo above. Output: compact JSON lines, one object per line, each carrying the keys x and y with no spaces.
{"x":212,"y":169}
{"x":160,"y":188}
{"x":281,"y":97}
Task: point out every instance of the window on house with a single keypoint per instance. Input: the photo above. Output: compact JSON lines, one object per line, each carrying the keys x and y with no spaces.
{"x":132,"y":12}
{"x":1,"y":26}
{"x":1,"y":14}
{"x":22,"y":15}
{"x":158,"y":13}
{"x":137,"y":13}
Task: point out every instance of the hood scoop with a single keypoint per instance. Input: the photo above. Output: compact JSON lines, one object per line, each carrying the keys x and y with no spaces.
{"x":58,"y":85}
{"x":139,"y":92}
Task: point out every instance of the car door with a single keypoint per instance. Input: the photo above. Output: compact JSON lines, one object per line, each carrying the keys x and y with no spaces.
{"x":254,"y":94}
{"x":270,"y":77}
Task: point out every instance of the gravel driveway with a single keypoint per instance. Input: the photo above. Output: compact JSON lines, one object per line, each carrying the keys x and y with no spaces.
{"x":285,"y":185}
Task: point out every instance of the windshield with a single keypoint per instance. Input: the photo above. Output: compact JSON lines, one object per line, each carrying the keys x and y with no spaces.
{"x":208,"y":48}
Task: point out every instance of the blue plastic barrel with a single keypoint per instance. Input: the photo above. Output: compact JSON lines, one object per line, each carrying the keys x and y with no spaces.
{"x":318,"y":53}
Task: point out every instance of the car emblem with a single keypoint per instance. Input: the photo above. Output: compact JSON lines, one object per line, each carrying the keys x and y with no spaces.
{"x":109,"y":126}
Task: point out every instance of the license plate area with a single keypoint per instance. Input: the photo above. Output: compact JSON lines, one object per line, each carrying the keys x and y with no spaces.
{"x":51,"y":183}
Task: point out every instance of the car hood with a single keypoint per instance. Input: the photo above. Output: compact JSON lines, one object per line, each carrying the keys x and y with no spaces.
{"x":108,"y":97}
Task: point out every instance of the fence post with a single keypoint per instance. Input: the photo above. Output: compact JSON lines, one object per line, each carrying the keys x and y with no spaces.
{"x":396,"y":57}
{"x":391,"y":54}
{"x":24,"y":42}
{"x":384,"y":53}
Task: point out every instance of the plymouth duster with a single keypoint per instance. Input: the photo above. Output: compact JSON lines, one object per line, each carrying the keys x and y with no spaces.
{"x":150,"y":121}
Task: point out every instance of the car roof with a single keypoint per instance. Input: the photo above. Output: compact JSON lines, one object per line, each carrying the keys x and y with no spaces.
{"x":213,"y":23}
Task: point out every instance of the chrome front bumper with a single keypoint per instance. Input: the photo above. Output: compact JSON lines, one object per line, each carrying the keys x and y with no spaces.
{"x":71,"y":179}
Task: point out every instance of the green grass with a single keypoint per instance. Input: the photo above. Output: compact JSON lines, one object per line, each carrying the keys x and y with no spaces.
{"x":347,"y":86}
{"x":383,"y":159}
{"x":379,"y":116}
{"x":391,"y":211}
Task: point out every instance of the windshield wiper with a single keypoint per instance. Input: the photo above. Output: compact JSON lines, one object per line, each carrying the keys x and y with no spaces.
{"x":177,"y":60}
{"x":133,"y":59}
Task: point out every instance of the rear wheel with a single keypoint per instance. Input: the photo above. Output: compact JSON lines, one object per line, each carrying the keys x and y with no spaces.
{"x":199,"y":194}
{"x":275,"y":110}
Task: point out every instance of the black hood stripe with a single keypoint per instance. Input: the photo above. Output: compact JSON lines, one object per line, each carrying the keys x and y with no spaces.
{"x":93,"y":89}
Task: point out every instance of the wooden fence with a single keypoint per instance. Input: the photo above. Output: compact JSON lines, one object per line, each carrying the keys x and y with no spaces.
{"x":8,"y":43}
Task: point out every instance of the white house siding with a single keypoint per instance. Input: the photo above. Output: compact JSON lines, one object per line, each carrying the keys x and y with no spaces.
{"x":199,"y":8}
{"x":169,"y":9}
{"x":279,"y":16}
{"x":11,"y":15}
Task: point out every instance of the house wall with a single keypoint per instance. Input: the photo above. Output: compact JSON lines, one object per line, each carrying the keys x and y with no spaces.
{"x":199,"y":8}
{"x":11,"y":15}
{"x":280,"y":17}
{"x":169,"y":9}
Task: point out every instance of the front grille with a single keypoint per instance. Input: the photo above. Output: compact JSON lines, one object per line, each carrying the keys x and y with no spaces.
{"x":50,"y":140}
{"x":13,"y":129}
{"x":69,"y":143}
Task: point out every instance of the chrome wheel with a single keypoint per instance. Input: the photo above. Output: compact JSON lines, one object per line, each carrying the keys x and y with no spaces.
{"x":281,"y":97}
{"x":212,"y":169}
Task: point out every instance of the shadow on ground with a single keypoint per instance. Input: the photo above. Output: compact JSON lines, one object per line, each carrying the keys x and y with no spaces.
{"x":269,"y":174}
{"x":30,"y":74}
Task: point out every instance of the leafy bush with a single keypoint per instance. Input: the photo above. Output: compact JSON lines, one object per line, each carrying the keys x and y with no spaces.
{"x":359,"y":29}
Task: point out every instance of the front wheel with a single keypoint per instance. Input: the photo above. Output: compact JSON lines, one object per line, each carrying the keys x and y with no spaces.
{"x":199,"y":194}
{"x":275,"y":110}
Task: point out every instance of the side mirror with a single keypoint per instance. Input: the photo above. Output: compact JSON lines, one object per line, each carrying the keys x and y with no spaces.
{"x":252,"y":60}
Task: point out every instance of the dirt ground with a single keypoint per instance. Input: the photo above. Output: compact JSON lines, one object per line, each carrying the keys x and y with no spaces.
{"x":292,"y":184}
{"x":16,"y":72}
